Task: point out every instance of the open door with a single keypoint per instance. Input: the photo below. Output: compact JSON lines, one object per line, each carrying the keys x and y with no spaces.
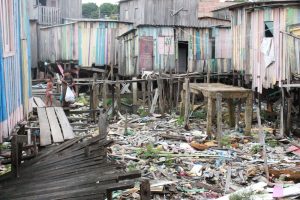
{"x":183,"y":48}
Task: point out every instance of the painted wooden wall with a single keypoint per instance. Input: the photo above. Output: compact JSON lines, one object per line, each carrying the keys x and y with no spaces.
{"x":200,"y":51}
{"x":89,"y":42}
{"x":15,"y":80}
{"x":248,"y":35}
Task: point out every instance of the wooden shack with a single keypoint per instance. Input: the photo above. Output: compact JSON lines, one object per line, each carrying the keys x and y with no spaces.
{"x":177,"y":36}
{"x":177,"y":49}
{"x":262,"y":50}
{"x":15,"y":76}
{"x":85,"y":40}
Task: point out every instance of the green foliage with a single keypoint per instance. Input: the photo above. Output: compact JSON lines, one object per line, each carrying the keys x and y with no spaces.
{"x":241,"y":196}
{"x":132,"y":167}
{"x":255,"y":149}
{"x":226,"y":141}
{"x":142,"y":112}
{"x":109,"y":102}
{"x":108,"y":10}
{"x":148,"y":152}
{"x":199,"y":114}
{"x":180,"y":121}
{"x":90,"y":10}
{"x":169,"y":161}
{"x":272,"y":143}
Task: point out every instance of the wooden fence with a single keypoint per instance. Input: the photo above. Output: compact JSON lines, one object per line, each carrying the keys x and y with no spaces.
{"x":49,"y":15}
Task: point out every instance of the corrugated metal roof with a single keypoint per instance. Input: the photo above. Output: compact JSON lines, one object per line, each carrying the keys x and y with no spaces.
{"x":196,"y":27}
{"x":96,"y":20}
{"x":274,"y":2}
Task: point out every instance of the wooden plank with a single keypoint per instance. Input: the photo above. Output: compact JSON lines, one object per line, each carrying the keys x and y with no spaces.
{"x":56,"y":133}
{"x":45,"y":133}
{"x":64,"y":122}
{"x":39,"y":102}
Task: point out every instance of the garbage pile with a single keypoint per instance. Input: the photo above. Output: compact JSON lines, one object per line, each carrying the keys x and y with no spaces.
{"x":186,"y":165}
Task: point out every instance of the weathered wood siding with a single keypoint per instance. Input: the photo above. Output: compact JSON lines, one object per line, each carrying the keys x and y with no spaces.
{"x":34,"y":43}
{"x":89,"y":42}
{"x":71,"y":8}
{"x":248,"y":34}
{"x":15,"y":80}
{"x":158,"y":12}
{"x":200,"y":52}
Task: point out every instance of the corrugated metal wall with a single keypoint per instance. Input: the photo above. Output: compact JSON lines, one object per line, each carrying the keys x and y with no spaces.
{"x":87,"y":42}
{"x":248,"y":35}
{"x":200,"y":50}
{"x":15,"y":80}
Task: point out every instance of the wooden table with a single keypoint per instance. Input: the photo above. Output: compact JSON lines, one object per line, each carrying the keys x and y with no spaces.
{"x":212,"y":90}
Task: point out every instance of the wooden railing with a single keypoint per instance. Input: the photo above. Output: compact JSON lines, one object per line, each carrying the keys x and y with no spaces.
{"x":49,"y":15}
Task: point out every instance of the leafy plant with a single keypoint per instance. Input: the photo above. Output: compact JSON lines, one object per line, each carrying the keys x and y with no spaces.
{"x":272,"y":143}
{"x":241,"y":196}
{"x":255,"y":149}
{"x":148,"y":152}
{"x":199,"y":114}
{"x":142,"y":112}
{"x":226,"y":141}
{"x":169,"y":161}
{"x":132,"y":167}
{"x":180,"y":121}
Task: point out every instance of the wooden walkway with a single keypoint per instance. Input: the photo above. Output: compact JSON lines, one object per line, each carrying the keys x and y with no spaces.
{"x":54,"y":125}
{"x":75,"y":169}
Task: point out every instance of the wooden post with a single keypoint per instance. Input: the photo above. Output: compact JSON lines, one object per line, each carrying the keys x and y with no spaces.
{"x":228,"y":179}
{"x":209,"y":116}
{"x":126,"y":124}
{"x":113,"y":99}
{"x":149,"y":94}
{"x":194,"y":95}
{"x":161,"y":98}
{"x":171,"y":93}
{"x":118,"y":91}
{"x":289,"y":115}
{"x":134,"y":92}
{"x":282,"y":125}
{"x":15,"y":168}
{"x":231,"y":112}
{"x":144,"y":93}
{"x":263,"y":144}
{"x":152,"y":109}
{"x":145,"y":191}
{"x":104,"y":94}
{"x":103,"y":124}
{"x":248,"y":113}
{"x":187,"y":102}
{"x":208,"y":74}
{"x":219,"y":118}
{"x":178,"y":94}
{"x":94,"y":99}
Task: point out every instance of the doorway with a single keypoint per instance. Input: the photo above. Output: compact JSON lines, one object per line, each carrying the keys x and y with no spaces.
{"x":183,"y":48}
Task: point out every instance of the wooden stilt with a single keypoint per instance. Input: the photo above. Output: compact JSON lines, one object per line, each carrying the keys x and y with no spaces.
{"x":231,"y":112}
{"x":152,"y":109}
{"x":209,"y":116}
{"x":134,"y":92}
{"x":118,"y":92}
{"x":187,"y":102}
{"x":145,"y":191}
{"x":171,"y":94}
{"x":161,"y":98}
{"x":289,"y":116}
{"x":104,"y":94}
{"x":248,"y":113}
{"x":219,"y":118}
{"x":103,"y":124}
{"x":149,"y":95}
{"x":144,"y":93}
{"x":282,"y":125}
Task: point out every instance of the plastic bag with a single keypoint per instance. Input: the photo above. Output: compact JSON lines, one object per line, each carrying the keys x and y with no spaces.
{"x":70,"y":97}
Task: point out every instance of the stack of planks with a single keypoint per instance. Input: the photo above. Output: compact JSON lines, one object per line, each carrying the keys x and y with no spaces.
{"x":53,"y":122}
{"x":76,"y":169}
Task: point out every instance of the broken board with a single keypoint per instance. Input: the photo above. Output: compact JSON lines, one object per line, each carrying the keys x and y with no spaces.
{"x":56,"y":132}
{"x":45,"y":132}
{"x":54,"y":122}
{"x":64,"y":122}
{"x":39,"y":102}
